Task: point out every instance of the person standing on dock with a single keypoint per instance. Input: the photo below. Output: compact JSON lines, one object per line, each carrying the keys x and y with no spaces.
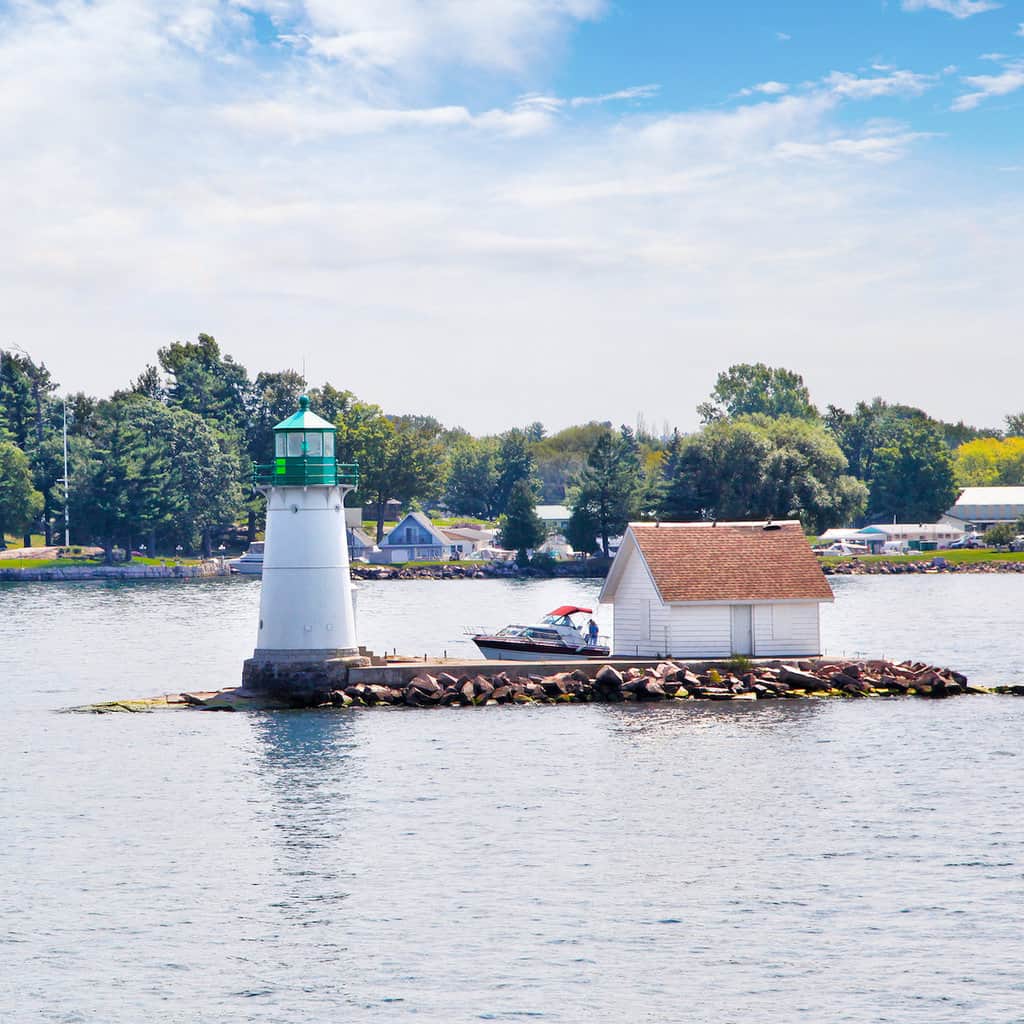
{"x":592,"y":633}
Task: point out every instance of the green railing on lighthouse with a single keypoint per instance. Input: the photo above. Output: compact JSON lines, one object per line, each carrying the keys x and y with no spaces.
{"x":304,"y":455}
{"x":305,"y":473}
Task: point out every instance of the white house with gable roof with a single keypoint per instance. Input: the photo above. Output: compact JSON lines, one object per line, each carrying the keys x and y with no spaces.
{"x":414,"y":539}
{"x":711,"y":590}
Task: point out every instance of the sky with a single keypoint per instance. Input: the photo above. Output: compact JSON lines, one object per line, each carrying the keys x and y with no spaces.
{"x":501,"y":211}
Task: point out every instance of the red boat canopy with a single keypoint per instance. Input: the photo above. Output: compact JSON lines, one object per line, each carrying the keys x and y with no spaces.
{"x":570,"y":609}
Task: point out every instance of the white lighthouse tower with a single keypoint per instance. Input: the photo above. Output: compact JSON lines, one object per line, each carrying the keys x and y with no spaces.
{"x":306,"y":613}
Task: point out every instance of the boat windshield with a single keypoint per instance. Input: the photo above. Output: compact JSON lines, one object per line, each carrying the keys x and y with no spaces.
{"x":558,"y":620}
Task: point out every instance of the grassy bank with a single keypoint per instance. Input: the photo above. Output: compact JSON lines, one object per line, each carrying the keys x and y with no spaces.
{"x":966,"y":556}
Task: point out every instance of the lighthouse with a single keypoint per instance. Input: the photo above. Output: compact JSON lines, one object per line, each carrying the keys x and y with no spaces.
{"x":306,"y":613}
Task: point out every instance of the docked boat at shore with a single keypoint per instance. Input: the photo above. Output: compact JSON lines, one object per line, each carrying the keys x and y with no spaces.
{"x":556,"y":637}
{"x":251,"y":563}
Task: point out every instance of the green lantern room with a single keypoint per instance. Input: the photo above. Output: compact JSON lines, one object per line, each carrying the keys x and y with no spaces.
{"x":304,"y":454}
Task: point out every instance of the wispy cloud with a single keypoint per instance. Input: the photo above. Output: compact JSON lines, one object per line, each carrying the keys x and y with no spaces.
{"x":958,"y":8}
{"x":860,"y":87}
{"x":635,"y":92}
{"x":783,"y":37}
{"x":765,"y":89}
{"x":986,"y":86}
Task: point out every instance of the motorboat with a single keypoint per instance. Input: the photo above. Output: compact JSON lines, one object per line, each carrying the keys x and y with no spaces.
{"x":251,"y":563}
{"x":557,"y":637}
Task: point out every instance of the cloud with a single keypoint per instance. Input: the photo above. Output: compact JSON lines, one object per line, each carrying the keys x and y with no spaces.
{"x":165,"y":174}
{"x":404,"y":37}
{"x":634,"y":92}
{"x":1020,"y":29}
{"x":986,"y":86}
{"x":958,"y":8}
{"x":766,"y":89}
{"x":783,"y":37}
{"x":906,"y":83}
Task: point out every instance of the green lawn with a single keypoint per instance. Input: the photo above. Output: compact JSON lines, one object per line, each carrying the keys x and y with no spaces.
{"x":66,"y":563}
{"x":960,"y":556}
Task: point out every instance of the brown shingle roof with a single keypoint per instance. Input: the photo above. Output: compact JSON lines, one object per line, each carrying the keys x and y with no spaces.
{"x":731,"y":562}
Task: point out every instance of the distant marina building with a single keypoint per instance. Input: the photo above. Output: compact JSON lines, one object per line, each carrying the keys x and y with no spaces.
{"x":711,"y":590}
{"x":905,"y":535}
{"x":980,"y":508}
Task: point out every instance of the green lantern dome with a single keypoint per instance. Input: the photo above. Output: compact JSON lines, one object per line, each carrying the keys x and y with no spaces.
{"x":304,"y":454}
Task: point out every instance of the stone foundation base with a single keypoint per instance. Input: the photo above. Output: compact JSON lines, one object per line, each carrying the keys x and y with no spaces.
{"x":298,"y":679}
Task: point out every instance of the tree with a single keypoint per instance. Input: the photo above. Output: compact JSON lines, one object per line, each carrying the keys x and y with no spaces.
{"x":521,"y":527}
{"x":472,"y":477}
{"x":990,"y":462}
{"x":404,"y":461}
{"x":205,"y":382}
{"x":759,"y":468}
{"x":560,"y":458}
{"x":749,"y":388}
{"x":582,"y":531}
{"x":1000,"y":535}
{"x":1015,"y":425}
{"x":20,"y":502}
{"x":609,"y":486}
{"x":513,"y":463}
{"x":912,"y":475}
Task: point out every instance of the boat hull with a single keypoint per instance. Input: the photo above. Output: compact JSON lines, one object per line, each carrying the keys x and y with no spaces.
{"x":498,"y":649}
{"x":243,"y":568}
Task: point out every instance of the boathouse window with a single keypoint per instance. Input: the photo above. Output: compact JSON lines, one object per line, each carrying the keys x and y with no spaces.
{"x":314,"y":444}
{"x":328,"y":446}
{"x":280,"y":446}
{"x":294,"y":445}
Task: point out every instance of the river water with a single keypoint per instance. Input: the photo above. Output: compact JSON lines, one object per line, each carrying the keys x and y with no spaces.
{"x":821,"y":861}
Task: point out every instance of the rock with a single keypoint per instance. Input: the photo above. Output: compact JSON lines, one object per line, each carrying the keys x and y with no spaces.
{"x":633,"y":685}
{"x":608,"y":676}
{"x":384,"y":695}
{"x":554,"y":686}
{"x":467,"y":691}
{"x":796,"y":677}
{"x":633,"y":673}
{"x":447,"y":680}
{"x":652,"y":690}
{"x":426,"y":684}
{"x":580,"y":675}
{"x":483,"y":687}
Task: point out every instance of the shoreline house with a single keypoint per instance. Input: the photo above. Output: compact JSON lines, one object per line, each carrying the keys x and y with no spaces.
{"x":711,"y":590}
{"x":554,"y":517}
{"x":414,"y":538}
{"x":360,"y":544}
{"x":468,"y":539}
{"x":980,"y":508}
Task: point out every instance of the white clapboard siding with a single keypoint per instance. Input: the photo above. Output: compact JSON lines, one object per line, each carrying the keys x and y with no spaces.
{"x":641,"y":623}
{"x":781,"y":630}
{"x":701,"y":631}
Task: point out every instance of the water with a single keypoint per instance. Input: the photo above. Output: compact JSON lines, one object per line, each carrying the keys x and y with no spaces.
{"x":847,"y":861}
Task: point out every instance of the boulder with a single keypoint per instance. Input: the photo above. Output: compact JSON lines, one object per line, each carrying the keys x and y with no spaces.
{"x":426,"y":684}
{"x":483,"y":687}
{"x":502,"y":694}
{"x":447,"y":680}
{"x":798,"y":677}
{"x":652,"y":690}
{"x":608,"y":676}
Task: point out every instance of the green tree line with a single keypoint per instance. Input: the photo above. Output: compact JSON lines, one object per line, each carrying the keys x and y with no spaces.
{"x":165,"y":462}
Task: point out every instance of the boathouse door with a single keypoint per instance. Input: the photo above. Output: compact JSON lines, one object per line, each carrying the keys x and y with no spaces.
{"x":742,"y":629}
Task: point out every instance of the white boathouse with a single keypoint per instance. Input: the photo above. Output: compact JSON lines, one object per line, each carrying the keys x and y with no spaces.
{"x":712,"y":590}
